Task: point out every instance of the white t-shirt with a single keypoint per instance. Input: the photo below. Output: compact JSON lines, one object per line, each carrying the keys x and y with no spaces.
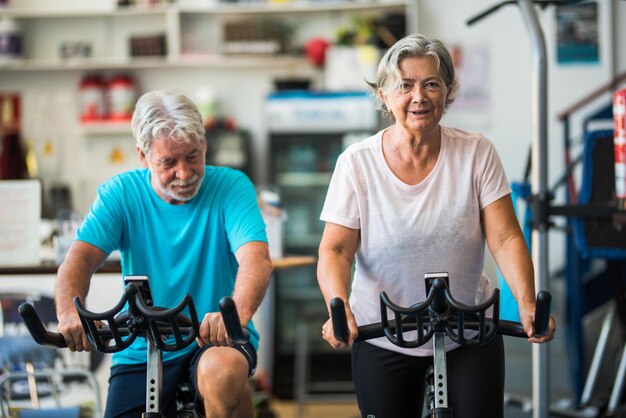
{"x":409,"y":230}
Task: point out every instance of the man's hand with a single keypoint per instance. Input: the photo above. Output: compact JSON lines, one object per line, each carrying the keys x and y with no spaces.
{"x":72,"y":330}
{"x":213,"y":331}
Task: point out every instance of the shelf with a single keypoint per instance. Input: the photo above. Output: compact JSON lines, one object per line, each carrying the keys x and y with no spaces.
{"x":185,"y":61}
{"x":45,"y":13}
{"x":308,"y":240}
{"x":296,"y":7}
{"x":220,"y":8}
{"x":304,"y":179}
{"x":106,"y":128}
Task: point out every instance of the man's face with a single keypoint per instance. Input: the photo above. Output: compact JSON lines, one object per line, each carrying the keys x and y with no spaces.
{"x":176,"y":169}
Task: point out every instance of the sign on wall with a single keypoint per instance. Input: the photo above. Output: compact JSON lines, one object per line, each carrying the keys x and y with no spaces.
{"x":577,"y":33}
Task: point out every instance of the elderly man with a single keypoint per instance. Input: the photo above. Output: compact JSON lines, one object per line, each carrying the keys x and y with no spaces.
{"x":192,"y":229}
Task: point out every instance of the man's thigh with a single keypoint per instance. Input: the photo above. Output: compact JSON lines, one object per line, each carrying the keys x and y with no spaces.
{"x":127,"y":389}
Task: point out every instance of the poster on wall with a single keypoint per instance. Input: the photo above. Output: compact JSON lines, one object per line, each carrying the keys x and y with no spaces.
{"x":472,"y":106}
{"x":577,"y":34}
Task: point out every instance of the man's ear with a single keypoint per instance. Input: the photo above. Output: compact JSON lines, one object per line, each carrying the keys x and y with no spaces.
{"x":142,"y":157}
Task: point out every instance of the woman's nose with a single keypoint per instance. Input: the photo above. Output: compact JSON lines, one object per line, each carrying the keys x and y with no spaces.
{"x":417,"y":94}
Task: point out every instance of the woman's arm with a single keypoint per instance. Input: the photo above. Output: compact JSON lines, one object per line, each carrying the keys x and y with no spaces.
{"x":508,"y":247}
{"x":334,"y":272}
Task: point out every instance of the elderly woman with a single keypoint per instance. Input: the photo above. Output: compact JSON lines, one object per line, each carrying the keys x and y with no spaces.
{"x":421,"y":197}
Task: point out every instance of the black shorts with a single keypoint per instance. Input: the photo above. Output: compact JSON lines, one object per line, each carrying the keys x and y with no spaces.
{"x":127,"y":384}
{"x":391,"y":385}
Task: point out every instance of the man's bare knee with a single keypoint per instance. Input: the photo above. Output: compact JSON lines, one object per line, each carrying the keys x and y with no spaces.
{"x":222,"y":370}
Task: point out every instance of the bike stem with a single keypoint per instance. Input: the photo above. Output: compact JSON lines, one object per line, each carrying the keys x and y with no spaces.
{"x":441,"y":409}
{"x":154,"y":383}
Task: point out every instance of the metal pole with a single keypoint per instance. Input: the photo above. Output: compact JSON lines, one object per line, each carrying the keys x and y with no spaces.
{"x":539,"y":96}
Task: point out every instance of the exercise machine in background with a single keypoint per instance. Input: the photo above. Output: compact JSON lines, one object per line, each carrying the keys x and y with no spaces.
{"x":540,"y":198}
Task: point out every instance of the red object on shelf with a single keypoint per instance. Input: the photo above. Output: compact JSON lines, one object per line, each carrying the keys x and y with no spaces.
{"x":121,"y":98}
{"x":92,"y":99}
{"x":316,"y":51}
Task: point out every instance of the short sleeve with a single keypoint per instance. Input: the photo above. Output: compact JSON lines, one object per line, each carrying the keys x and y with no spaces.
{"x":242,"y":217}
{"x":103,"y":225}
{"x":341,"y":205}
{"x":492,"y":181}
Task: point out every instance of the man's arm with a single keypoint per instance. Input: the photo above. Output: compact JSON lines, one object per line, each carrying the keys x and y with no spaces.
{"x":73,"y":279}
{"x":253,"y":277}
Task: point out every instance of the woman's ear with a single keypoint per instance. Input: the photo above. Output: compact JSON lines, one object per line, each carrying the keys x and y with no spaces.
{"x":383,"y":99}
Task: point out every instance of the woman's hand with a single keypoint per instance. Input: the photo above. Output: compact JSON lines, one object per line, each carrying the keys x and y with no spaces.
{"x":328,"y":332}
{"x":527,"y":319}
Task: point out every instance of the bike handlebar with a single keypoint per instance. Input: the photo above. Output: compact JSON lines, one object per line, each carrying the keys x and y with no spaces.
{"x":154,"y":323}
{"x":37,"y":330}
{"x":236,"y":332}
{"x":503,"y":327}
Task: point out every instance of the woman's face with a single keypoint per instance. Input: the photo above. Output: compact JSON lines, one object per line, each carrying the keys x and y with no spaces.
{"x":418,"y":104}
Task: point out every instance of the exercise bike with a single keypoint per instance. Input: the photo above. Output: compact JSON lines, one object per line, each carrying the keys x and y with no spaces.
{"x":135,"y":316}
{"x":440,"y":316}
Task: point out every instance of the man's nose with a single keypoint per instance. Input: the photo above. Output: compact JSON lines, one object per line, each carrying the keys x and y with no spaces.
{"x":184,"y":171}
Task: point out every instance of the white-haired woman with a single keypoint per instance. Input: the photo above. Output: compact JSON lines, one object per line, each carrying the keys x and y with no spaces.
{"x":421,"y":197}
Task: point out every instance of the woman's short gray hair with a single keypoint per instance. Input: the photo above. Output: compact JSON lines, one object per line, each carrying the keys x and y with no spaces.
{"x":166,"y":114}
{"x":389,"y":77}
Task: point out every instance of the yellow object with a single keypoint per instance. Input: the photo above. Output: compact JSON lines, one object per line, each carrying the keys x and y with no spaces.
{"x":116,"y":156}
{"x":31,"y":162}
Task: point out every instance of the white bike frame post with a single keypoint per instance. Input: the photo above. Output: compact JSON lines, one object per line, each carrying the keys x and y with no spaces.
{"x":539,"y":162}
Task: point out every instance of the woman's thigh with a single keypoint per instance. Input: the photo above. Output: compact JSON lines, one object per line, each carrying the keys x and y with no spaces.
{"x":388,"y":384}
{"x":476,"y":380}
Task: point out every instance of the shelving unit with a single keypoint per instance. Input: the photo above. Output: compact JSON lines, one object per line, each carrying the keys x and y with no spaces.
{"x":193,"y":33}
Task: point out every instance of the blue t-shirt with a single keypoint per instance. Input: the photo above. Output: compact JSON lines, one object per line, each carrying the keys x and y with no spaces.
{"x":183,"y":249}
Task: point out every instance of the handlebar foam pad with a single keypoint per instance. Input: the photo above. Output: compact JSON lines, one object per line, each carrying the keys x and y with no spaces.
{"x":232,"y":323}
{"x":339,"y":319}
{"x":542,"y":313}
{"x":36,"y":328}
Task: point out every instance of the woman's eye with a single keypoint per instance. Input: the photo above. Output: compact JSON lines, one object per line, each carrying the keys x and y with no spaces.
{"x":406,"y":87}
{"x":433,"y":86}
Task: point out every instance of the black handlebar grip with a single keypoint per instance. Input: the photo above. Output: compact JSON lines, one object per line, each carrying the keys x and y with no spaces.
{"x":236,"y":332}
{"x":340,"y":321}
{"x":37,"y":330}
{"x":542,"y":313}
